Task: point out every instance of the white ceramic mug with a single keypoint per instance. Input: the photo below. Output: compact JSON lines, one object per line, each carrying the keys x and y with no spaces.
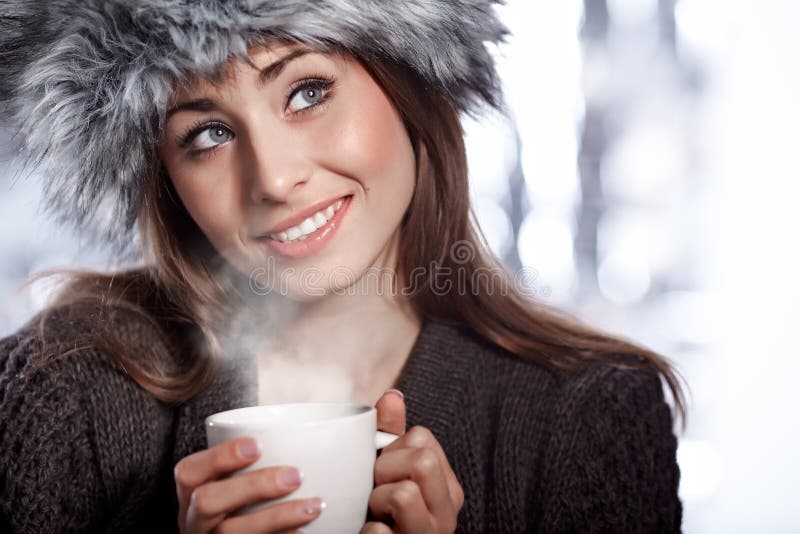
{"x":333,"y":444}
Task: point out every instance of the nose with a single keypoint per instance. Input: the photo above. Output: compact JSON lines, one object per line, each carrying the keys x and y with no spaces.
{"x":274,"y":168}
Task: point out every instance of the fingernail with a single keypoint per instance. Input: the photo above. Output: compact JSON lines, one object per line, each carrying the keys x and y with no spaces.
{"x":393,"y":390}
{"x":314,"y":506}
{"x":289,"y":476}
{"x":248,"y":448}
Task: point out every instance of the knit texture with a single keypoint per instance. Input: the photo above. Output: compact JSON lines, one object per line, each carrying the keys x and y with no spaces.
{"x":83,"y":448}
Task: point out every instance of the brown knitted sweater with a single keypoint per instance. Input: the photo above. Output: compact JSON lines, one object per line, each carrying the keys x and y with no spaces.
{"x":83,"y":448}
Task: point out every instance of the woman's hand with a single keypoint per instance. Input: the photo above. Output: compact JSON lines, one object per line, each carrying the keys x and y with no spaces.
{"x":415,"y":484}
{"x":205,"y":501}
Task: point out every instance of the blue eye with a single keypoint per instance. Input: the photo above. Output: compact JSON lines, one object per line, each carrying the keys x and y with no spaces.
{"x":203,"y":137}
{"x":309,"y":94}
{"x":211,"y":137}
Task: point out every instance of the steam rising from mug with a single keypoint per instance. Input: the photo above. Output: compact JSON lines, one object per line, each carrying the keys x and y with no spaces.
{"x":303,"y":353}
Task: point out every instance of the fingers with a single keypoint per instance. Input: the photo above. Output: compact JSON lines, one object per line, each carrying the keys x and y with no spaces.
{"x":279,"y":517}
{"x":375,"y":527}
{"x":211,"y":464}
{"x":221,"y":497}
{"x":402,"y":501}
{"x":391,"y":412}
{"x":419,"y":437}
{"x":415,"y":484}
{"x":422,"y":466}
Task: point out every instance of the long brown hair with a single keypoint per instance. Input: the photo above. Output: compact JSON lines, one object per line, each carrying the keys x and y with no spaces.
{"x":180,"y":295}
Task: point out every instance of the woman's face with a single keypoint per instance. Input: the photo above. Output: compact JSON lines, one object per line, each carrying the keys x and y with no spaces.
{"x":298,"y":172}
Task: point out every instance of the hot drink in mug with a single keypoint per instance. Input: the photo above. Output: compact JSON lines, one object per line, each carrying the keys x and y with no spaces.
{"x":333,"y":444}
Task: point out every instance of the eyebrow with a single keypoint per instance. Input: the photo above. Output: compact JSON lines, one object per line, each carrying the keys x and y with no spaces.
{"x":272,"y":71}
{"x":267,"y":74}
{"x":201,"y":104}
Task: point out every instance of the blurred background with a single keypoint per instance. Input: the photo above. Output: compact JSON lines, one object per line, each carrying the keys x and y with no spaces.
{"x":647,"y":176}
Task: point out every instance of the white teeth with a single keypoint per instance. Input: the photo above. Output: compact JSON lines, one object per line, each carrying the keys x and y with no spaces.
{"x":310,"y":225}
{"x":293,"y":233}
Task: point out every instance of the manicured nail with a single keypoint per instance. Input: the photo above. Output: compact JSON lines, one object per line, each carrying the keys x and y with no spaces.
{"x":290,"y":476}
{"x":393,"y":390}
{"x":248,"y":448}
{"x":314,"y":506}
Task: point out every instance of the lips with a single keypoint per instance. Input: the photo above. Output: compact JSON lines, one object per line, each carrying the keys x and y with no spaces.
{"x":309,"y":225}
{"x":301,"y":215}
{"x":315,"y":241}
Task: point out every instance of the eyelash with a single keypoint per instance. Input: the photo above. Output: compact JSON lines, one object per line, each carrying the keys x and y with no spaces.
{"x":317,"y":81}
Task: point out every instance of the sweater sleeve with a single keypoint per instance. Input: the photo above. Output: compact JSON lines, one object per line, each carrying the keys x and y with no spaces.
{"x":49,"y":479}
{"x":612,"y":465}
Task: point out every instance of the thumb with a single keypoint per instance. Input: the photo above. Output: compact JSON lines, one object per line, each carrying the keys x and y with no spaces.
{"x":391,"y":412}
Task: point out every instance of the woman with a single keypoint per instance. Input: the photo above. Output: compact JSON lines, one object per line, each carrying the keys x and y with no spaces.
{"x":297,"y":177}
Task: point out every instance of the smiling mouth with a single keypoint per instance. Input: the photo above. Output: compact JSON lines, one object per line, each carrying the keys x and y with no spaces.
{"x":310,"y":225}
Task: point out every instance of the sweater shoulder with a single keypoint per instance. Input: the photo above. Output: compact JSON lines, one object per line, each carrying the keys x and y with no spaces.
{"x":57,"y":341}
{"x":49,"y":352}
{"x":601,"y":396}
{"x":597,"y":382}
{"x":56,"y":352}
{"x":626,"y":390}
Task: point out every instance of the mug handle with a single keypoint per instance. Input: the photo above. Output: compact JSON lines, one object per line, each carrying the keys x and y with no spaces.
{"x":382,"y":439}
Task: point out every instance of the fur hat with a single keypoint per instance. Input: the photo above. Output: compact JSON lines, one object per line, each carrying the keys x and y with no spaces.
{"x":85,"y":83}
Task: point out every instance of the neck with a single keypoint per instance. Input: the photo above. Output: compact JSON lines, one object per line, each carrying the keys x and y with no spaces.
{"x":347,"y":347}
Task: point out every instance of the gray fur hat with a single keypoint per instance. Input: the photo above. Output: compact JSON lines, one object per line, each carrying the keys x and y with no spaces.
{"x":85,"y":83}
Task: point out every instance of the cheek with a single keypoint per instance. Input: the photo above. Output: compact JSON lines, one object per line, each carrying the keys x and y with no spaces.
{"x":209,"y":201}
{"x":375,"y":146}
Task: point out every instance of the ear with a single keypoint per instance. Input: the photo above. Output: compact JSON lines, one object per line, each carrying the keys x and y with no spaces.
{"x":392,"y":412}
